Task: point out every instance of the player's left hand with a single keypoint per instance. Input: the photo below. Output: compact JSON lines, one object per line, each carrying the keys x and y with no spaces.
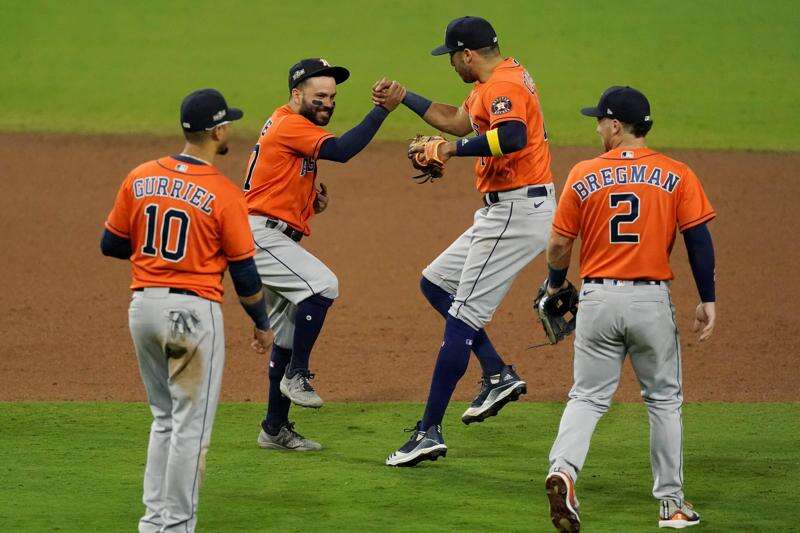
{"x":705,"y":315}
{"x":433,"y":150}
{"x":322,"y":199}
{"x":262,"y":340}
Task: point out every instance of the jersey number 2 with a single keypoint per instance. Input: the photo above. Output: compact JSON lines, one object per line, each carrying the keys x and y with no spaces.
{"x":614,"y":200}
{"x":173,"y":219}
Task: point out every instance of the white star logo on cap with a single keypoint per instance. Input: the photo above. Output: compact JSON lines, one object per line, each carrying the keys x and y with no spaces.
{"x":459,"y":43}
{"x":609,"y":112}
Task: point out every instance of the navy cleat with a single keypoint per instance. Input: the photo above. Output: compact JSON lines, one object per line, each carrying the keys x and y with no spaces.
{"x":496,"y":391}
{"x":422,"y":446}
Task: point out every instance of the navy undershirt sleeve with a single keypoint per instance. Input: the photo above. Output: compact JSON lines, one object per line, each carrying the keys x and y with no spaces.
{"x":700,"y":249}
{"x":512,"y":134}
{"x":115,"y":246}
{"x":341,"y":149}
{"x":247,"y":282}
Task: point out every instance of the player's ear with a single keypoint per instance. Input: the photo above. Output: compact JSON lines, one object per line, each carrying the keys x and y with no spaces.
{"x":297,"y":95}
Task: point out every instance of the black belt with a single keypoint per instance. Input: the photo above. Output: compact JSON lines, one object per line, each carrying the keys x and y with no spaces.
{"x":288,"y":230}
{"x":635,"y":281}
{"x":533,"y":192}
{"x":172,"y":290}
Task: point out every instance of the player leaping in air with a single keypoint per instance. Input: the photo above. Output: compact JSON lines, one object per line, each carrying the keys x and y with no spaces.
{"x":281,"y":197}
{"x":467,"y":282}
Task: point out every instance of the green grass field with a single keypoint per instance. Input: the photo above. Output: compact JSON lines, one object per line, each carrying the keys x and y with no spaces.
{"x":78,"y":467}
{"x":720,"y":74}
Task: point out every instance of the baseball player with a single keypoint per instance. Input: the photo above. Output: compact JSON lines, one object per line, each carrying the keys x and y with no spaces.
{"x":467,"y":282}
{"x":625,"y":205}
{"x":181,"y":223}
{"x":281,"y":198}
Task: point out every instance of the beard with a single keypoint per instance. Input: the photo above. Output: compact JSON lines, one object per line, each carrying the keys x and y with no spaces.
{"x":318,"y":114}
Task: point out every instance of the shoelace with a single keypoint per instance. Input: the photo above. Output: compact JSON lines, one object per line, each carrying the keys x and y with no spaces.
{"x":307,"y":376}
{"x":290,"y":428}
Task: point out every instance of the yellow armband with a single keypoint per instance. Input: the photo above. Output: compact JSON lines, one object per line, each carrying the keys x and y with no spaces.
{"x":494,"y":142}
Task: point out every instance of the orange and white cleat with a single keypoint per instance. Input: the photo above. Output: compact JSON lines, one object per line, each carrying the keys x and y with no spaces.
{"x":671,"y":515}
{"x":563,"y":502}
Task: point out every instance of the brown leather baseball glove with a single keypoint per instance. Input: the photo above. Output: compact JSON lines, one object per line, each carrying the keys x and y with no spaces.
{"x":424,"y":155}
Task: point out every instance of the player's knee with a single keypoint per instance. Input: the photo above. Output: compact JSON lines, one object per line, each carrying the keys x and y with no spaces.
{"x":470,"y":314}
{"x":671,"y":402}
{"x":330,"y":286}
{"x":436,"y":296}
{"x":594,"y":402}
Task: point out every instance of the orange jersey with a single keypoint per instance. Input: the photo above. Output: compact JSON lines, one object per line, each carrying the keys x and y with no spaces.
{"x":185,"y":221}
{"x":510,"y":94}
{"x":626,"y":205}
{"x":283,"y":167}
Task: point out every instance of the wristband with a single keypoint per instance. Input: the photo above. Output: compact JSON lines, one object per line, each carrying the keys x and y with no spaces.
{"x":556,"y":277}
{"x":416,"y":103}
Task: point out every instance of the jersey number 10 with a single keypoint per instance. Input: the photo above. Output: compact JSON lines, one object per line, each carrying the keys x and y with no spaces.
{"x":173,"y":219}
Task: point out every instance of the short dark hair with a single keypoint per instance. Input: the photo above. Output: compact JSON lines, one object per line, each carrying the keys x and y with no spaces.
{"x":195,"y":137}
{"x":639,"y":129}
{"x":489,"y":51}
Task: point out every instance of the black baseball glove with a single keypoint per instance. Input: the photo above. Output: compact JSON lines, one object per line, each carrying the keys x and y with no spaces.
{"x":558,"y":312}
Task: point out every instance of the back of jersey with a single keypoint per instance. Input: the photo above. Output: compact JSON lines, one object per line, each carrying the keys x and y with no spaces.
{"x":626,"y":205}
{"x":185,"y":221}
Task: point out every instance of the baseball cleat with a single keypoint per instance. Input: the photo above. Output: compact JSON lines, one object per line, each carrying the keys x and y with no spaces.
{"x":422,"y":446}
{"x":563,"y":501}
{"x":287,"y":439}
{"x":299,"y":390}
{"x":496,"y":391}
{"x":671,"y":515}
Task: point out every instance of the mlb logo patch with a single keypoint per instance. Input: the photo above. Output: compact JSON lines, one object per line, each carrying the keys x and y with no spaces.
{"x":181,"y":168}
{"x":627,"y":154}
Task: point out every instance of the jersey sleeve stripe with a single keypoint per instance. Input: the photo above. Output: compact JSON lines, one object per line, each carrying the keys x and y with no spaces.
{"x":698,"y":221}
{"x":115,"y":231}
{"x":564,"y":232}
{"x":318,"y":146}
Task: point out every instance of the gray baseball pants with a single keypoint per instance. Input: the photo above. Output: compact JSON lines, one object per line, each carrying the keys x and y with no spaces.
{"x":180,"y":344}
{"x":616,"y":318}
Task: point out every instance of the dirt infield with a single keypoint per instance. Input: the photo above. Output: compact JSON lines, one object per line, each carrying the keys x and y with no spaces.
{"x":64,"y":326}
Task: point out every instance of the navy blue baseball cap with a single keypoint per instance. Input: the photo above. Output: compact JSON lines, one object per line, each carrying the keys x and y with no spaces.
{"x":206,"y":108}
{"x":466,"y":32}
{"x":625,"y":104}
{"x":313,"y":67}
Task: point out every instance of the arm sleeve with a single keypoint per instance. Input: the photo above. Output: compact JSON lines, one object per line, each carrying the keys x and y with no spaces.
{"x":567,"y":220}
{"x":301,"y":135}
{"x":119,"y":219}
{"x":237,"y":239}
{"x":505,"y":101}
{"x":700,"y":249}
{"x":341,"y":149}
{"x":247,"y":282}
{"x":113,"y":245}
{"x":512,"y":135}
{"x":244,"y":275}
{"x":693,"y":207}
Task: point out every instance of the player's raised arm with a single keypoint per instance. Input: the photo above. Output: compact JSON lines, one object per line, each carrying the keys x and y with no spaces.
{"x":444,"y":117}
{"x":341,"y":149}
